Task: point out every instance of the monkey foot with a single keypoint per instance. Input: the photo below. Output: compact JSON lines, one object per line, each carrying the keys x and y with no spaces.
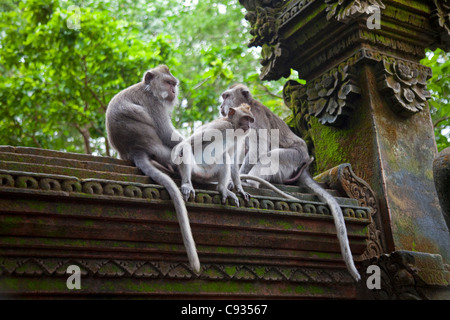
{"x":187,"y":190}
{"x":244,"y":194}
{"x":228,"y":194}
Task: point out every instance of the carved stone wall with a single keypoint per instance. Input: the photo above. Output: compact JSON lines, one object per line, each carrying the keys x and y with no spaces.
{"x":102,"y":215}
{"x":406,"y":275}
{"x":343,"y":178}
{"x":365,"y":99}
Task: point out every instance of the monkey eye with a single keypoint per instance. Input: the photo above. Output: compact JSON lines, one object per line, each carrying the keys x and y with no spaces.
{"x":225,"y":95}
{"x":249,"y":119}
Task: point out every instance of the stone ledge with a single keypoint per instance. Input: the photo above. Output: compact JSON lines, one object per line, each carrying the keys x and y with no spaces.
{"x":112,"y":224}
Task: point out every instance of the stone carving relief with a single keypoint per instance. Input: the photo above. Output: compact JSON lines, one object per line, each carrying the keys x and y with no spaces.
{"x":407,"y":275}
{"x":263,"y":18}
{"x":99,"y":187}
{"x":360,"y":190}
{"x":330,"y":96}
{"x":343,"y":10}
{"x":112,"y":268}
{"x":404,"y":85}
{"x":343,"y":178}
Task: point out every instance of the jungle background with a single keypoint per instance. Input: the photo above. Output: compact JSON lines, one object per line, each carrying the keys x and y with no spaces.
{"x":61,"y":62}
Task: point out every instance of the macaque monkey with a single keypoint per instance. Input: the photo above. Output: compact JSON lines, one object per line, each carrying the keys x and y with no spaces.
{"x":292,"y":156}
{"x":139,"y":127}
{"x":210,"y":154}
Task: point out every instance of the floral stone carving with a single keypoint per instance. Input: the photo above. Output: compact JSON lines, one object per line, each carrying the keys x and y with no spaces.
{"x":342,"y":10}
{"x":330,"y":96}
{"x":263,"y":18}
{"x":262,"y":15}
{"x":264,"y":26}
{"x":404,"y":86}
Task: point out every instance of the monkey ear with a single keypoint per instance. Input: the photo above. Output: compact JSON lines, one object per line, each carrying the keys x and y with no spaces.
{"x":246,"y":94}
{"x":149,"y":75}
{"x":231,"y":112}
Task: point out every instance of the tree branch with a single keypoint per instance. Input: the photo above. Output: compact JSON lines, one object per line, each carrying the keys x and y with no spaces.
{"x":440,"y":121}
{"x":202,"y":83}
{"x":100,"y":132}
{"x":86,"y":136}
{"x":270,"y":93}
{"x":88,"y":87}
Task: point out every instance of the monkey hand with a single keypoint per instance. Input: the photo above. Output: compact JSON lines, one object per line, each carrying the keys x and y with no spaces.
{"x":228,"y":194}
{"x":187,"y":189}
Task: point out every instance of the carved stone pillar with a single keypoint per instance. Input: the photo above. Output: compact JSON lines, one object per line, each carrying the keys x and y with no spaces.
{"x":365,"y":100}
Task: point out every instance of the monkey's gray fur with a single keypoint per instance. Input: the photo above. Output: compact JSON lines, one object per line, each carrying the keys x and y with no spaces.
{"x":292,"y":154}
{"x":139,"y":127}
{"x":222,"y":164}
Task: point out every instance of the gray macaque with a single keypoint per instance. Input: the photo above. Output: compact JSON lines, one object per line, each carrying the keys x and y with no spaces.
{"x":292,"y":156}
{"x":210,"y":154}
{"x":139,"y":127}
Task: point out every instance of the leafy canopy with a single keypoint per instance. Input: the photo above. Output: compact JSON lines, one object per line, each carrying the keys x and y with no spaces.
{"x":61,"y":62}
{"x":439,"y":85}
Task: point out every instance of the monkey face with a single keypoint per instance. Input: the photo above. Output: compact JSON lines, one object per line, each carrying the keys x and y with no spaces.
{"x":241,"y":117}
{"x":169,"y":90}
{"x":244,"y":123}
{"x":162,"y":84}
{"x":234,"y":97}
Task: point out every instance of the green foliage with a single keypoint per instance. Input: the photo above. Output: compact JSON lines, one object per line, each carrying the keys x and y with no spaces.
{"x":62,"y":61}
{"x":57,"y":81}
{"x":439,"y":85}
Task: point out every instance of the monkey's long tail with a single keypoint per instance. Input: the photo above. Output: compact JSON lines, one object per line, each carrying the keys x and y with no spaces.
{"x":268,"y":185}
{"x":338,"y":220}
{"x":143,"y":163}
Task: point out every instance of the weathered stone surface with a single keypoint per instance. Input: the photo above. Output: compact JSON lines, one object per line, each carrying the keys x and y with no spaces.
{"x":125,"y":236}
{"x":365,"y":100}
{"x":366,"y":82}
{"x":343,"y":179}
{"x":407,"y":275}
